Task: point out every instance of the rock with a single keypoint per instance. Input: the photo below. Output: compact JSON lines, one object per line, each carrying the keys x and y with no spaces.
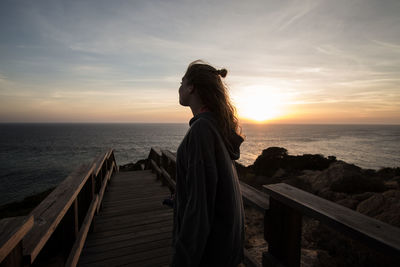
{"x":133,"y":166}
{"x":275,"y":158}
{"x":363,"y":196}
{"x":350,"y":203}
{"x":384,"y":207}
{"x":345,"y":178}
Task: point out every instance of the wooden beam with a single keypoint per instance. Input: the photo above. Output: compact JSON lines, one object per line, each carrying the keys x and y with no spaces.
{"x":49,"y":213}
{"x":12,"y":230}
{"x":282,"y":231}
{"x":170,"y":183}
{"x":249,"y":261}
{"x":169,"y":155}
{"x":374,"y":233}
{"x":154,"y":166}
{"x":253,"y":197}
{"x":81,"y":238}
{"x":102,"y":190}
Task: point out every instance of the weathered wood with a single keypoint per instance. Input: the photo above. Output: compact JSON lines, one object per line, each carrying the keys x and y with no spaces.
{"x":154,"y":166}
{"x":168,"y":162}
{"x":76,"y":218}
{"x":123,"y":244}
{"x":373,"y":233}
{"x":138,"y":247}
{"x":168,"y":181}
{"x":12,"y":230}
{"x":100,"y":161}
{"x":133,"y":259}
{"x":131,"y":226}
{"x":168,"y":154}
{"x":102,"y":190}
{"x":249,"y":261}
{"x":132,"y":221}
{"x":270,"y":261}
{"x":283,"y":233}
{"x":131,"y":218}
{"x":49,"y":213}
{"x":253,"y":197}
{"x":81,"y":238}
{"x":155,"y":155}
{"x":92,"y":241}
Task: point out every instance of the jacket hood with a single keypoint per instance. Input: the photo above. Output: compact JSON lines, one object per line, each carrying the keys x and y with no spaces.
{"x":232,"y":142}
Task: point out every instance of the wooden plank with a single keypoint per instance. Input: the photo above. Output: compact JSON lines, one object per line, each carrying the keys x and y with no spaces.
{"x":99,"y":162}
{"x":101,"y":241}
{"x":169,"y":155}
{"x":142,"y":188}
{"x":249,"y":261}
{"x":169,"y":182}
{"x":79,"y":242}
{"x":132,"y":222}
{"x":128,"y":217}
{"x":254,"y":197}
{"x":124,"y":196}
{"x":130,"y":249}
{"x":131,"y":259}
{"x":129,"y":201}
{"x":154,"y":166}
{"x":129,"y":229}
{"x":49,"y":213}
{"x":159,"y":261}
{"x":282,"y":231}
{"x":102,"y":190}
{"x":156,"y":203}
{"x":134,"y":210}
{"x":374,"y":233}
{"x":12,"y":230}
{"x":131,"y":242}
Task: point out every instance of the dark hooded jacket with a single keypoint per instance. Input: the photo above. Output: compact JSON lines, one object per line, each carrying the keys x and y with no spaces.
{"x":208,"y":210}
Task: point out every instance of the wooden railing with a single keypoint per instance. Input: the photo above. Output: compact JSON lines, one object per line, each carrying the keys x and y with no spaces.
{"x":56,"y":230}
{"x":283,"y":223}
{"x":283,"y":207}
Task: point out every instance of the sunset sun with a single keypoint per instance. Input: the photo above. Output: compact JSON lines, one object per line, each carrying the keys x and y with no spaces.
{"x":259,"y":103}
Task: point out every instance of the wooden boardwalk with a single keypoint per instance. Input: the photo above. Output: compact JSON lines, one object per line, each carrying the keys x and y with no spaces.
{"x":133,"y":228}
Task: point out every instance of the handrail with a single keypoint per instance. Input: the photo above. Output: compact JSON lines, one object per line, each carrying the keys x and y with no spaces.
{"x":64,"y":217}
{"x":12,"y":230}
{"x":288,"y":204}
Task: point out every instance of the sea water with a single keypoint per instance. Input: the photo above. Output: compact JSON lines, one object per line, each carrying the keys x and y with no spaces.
{"x":37,"y":156}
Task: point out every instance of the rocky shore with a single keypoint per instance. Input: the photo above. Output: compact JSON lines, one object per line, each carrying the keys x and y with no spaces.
{"x":375,"y":193}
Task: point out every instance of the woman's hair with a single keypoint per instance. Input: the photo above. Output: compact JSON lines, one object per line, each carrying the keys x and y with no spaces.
{"x":206,"y":80}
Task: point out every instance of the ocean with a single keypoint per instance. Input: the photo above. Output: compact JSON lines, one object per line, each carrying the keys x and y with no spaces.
{"x":37,"y":156}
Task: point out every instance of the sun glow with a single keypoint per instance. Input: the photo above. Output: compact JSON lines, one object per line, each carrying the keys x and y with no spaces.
{"x":260,"y":103}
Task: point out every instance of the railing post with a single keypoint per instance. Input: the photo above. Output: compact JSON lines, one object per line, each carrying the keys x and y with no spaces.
{"x":282,"y":231}
{"x":76,"y":217}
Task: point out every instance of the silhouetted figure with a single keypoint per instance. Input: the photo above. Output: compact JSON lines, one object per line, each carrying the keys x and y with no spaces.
{"x":208,"y":210}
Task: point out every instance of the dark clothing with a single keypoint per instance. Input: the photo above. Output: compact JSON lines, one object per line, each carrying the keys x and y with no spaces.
{"x":209,"y":214}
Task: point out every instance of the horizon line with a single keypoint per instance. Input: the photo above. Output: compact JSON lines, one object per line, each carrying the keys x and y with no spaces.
{"x":244,"y":123}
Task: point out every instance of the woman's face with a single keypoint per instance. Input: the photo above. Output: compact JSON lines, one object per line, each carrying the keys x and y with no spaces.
{"x":185,"y":91}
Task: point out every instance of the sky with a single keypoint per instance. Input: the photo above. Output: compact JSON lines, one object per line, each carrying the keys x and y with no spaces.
{"x":306,"y":61}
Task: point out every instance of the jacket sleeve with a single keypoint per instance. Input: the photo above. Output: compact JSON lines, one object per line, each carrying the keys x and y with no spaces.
{"x":201,"y":184}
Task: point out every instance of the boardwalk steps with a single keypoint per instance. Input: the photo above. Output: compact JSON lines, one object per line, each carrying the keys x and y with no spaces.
{"x":133,"y":228}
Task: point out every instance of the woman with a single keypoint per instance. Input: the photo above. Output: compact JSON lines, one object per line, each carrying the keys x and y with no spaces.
{"x":208,"y":210}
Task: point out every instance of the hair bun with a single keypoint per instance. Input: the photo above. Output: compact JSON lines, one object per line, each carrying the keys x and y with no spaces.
{"x":222,"y":72}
